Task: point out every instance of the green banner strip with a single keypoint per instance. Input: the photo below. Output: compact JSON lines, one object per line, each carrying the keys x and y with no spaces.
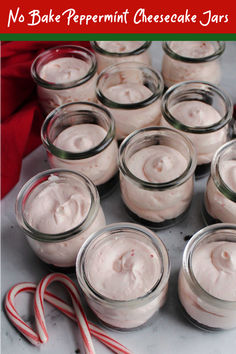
{"x":115,"y":36}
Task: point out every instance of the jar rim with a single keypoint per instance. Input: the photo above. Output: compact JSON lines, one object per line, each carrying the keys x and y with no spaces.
{"x":56,"y":50}
{"x":185,"y":175}
{"x":62,"y":236}
{"x":156,"y":242}
{"x":137,"y":51}
{"x":198,"y":88}
{"x":170,"y":52}
{"x":69,"y":155}
{"x":112,"y":69}
{"x":215,"y":171}
{"x":187,"y":263}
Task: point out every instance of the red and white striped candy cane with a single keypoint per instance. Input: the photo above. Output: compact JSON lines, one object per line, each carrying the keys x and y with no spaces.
{"x":79,"y":313}
{"x":97,"y":332}
{"x":54,"y":300}
{"x":13,"y":315}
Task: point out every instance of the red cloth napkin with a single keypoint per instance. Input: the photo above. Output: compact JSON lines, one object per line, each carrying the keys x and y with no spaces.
{"x":21,"y":116}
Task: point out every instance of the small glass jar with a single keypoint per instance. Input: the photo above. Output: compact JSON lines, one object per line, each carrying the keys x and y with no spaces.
{"x":64,"y":74}
{"x":205,"y":285}
{"x":132,"y":249}
{"x":191,"y":60}
{"x":156,"y":176}
{"x":131,"y":92}
{"x":202,"y":112}
{"x":57,"y":210}
{"x":114,"y":52}
{"x":220,"y":193}
{"x":80,"y":136}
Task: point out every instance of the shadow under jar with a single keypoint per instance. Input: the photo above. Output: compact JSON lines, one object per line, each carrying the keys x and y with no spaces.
{"x":113,"y":52}
{"x":220,"y":193}
{"x":207,"y":279}
{"x":64,"y":74}
{"x":57,"y":210}
{"x":80,"y":136}
{"x":131,"y":92}
{"x":123,"y":271}
{"x":202,"y":112}
{"x":191,"y":60}
{"x":157,"y":176}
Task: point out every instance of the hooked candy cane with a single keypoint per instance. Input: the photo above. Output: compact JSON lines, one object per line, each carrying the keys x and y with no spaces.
{"x":54,"y":300}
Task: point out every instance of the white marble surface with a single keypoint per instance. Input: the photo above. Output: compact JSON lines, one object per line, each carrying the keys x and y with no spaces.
{"x":169,"y":332}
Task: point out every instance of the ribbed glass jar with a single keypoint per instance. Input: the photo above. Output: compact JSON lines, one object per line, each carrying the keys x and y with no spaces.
{"x":191,"y":60}
{"x":202,"y":112}
{"x":124,"y":251}
{"x":157,"y":175}
{"x":207,"y":279}
{"x":132,"y":93}
{"x":57,"y":210}
{"x":80,"y":136}
{"x":220,"y":193}
{"x":64,"y":74}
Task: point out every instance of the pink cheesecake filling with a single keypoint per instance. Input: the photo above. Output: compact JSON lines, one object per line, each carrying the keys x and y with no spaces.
{"x":175,"y":71}
{"x":65,"y":70}
{"x":80,"y":138}
{"x":217,"y":204}
{"x":128,"y":120}
{"x":56,"y":206}
{"x":124,"y":272}
{"x":128,"y":93}
{"x":157,"y":164}
{"x":199,"y":114}
{"x":120,"y":47}
{"x":192,"y":49}
{"x":214,"y":266}
{"x":228,"y":173}
{"x":123,"y":269}
{"x":101,"y":167}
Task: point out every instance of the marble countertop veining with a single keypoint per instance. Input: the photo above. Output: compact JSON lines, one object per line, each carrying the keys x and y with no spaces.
{"x":168,"y":332}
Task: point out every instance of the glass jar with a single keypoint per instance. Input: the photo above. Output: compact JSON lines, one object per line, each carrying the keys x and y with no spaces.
{"x":207,"y":279}
{"x":64,"y":74}
{"x":113,"y":52}
{"x":191,"y":60}
{"x":57,"y":210}
{"x":202,"y":112}
{"x":131,"y":92}
{"x":123,"y":271}
{"x":220,"y":193}
{"x":80,"y":136}
{"x":156,"y":176}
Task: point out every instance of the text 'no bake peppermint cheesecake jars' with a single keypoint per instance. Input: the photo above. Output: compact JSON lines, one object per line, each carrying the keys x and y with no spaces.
{"x":157,"y":167}
{"x":123,"y":271}
{"x":64,"y":74}
{"x":220,"y":193}
{"x":207,"y":279}
{"x":114,"y":52}
{"x":202,"y":112}
{"x":191,"y":60}
{"x":57,"y":210}
{"x":132,"y":93}
{"x":80,"y":136}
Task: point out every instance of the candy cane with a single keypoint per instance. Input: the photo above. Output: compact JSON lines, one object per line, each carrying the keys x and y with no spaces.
{"x":79,"y":313}
{"x":13,"y":315}
{"x":54,"y":300}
